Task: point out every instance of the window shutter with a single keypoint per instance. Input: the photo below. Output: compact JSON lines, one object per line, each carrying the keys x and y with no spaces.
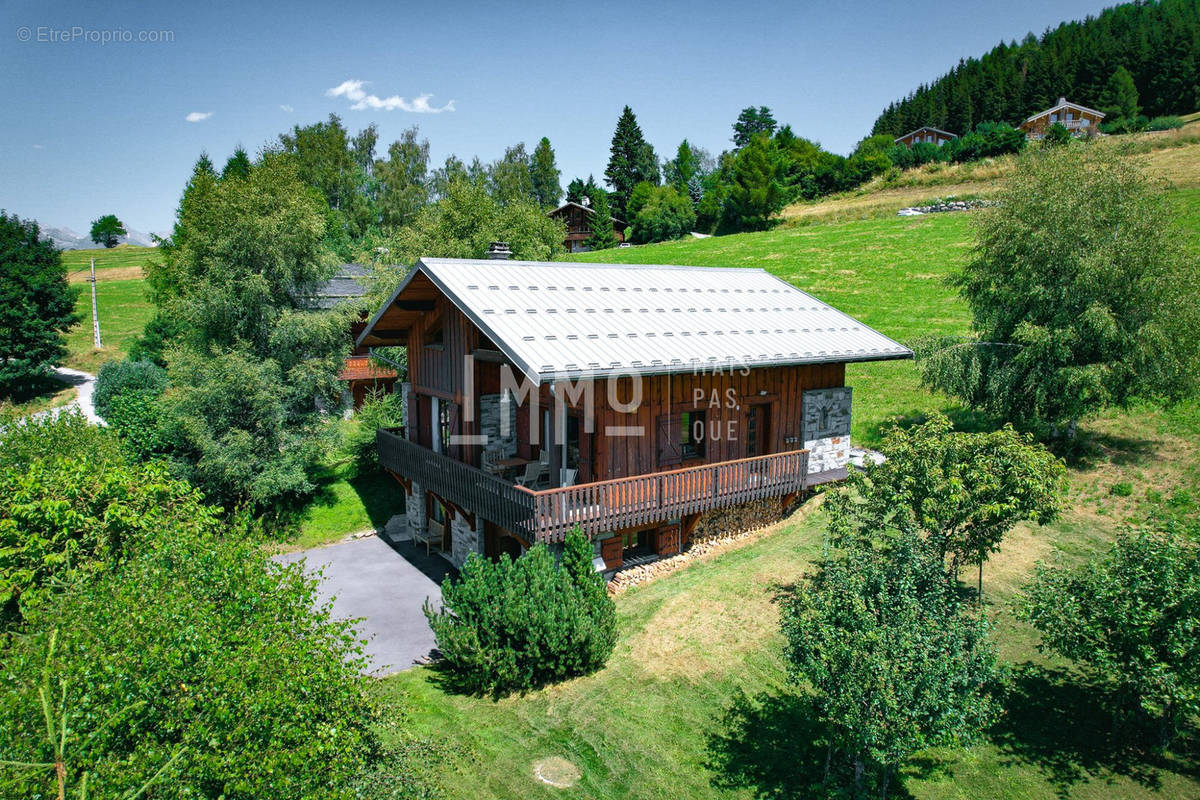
{"x":670,"y":450}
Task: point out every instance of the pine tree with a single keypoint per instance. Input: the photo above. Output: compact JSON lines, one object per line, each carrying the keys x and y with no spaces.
{"x":544,"y":172}
{"x":1120,"y":98}
{"x":631,"y":161}
{"x":603,"y":236}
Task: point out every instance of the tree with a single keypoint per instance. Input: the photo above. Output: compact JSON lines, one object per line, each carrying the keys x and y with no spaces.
{"x":664,"y":214}
{"x":601,"y":221}
{"x":506,"y":626}
{"x":241,"y":416}
{"x":963,"y":491}
{"x":755,"y":194}
{"x":238,"y":165}
{"x":1120,"y":98}
{"x":1080,"y":297}
{"x":751,"y":122}
{"x":895,"y":660}
{"x":631,"y":161}
{"x":578,"y":190}
{"x":403,"y":179}
{"x":510,"y":178}
{"x":108,"y":230}
{"x":1130,"y":617}
{"x":37,"y":306}
{"x":544,"y":172}
{"x":326,"y":159}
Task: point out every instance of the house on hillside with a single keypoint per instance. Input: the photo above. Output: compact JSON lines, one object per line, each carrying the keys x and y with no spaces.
{"x":578,"y":219}
{"x":1079,"y":120}
{"x":927,"y":134}
{"x":635,"y":402}
{"x":361,"y":372}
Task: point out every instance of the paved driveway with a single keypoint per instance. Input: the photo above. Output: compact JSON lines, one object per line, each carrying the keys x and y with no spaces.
{"x":385,"y":582}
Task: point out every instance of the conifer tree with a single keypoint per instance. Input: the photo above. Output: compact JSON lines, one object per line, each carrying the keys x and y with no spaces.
{"x":544,"y":172}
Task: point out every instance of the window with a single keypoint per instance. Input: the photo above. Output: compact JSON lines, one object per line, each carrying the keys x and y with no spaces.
{"x":444,"y":412}
{"x":681,"y":437}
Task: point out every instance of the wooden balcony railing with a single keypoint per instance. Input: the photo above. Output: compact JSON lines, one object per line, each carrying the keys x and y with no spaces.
{"x":597,"y":507}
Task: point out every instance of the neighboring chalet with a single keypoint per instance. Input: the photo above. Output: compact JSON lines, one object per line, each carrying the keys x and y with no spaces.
{"x":361,"y":372}
{"x":1079,"y":120}
{"x":932,"y":135}
{"x":578,"y":219}
{"x":630,"y":401}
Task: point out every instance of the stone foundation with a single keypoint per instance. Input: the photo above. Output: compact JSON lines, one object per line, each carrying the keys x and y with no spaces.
{"x":501,"y":438}
{"x":464,"y":540}
{"x":414,"y":508}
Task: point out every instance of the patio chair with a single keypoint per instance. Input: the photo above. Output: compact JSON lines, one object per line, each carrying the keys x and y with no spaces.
{"x":533,"y":471}
{"x":487,"y":462}
{"x":568,"y":477}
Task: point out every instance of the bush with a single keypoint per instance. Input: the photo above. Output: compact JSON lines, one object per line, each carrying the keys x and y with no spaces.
{"x":199,"y":654}
{"x":125,"y":376}
{"x":509,"y":626}
{"x":663,"y":214}
{"x":1057,"y":134}
{"x":380,"y":410}
{"x":1164,"y":124}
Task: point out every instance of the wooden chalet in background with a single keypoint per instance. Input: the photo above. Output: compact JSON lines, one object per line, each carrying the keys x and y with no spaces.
{"x":1079,"y":120}
{"x":361,"y":372}
{"x":578,"y":219}
{"x":927,"y":134}
{"x":629,"y":401}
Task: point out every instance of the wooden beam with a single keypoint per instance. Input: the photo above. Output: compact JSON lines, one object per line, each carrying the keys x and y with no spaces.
{"x":415,"y":305}
{"x":493,"y":356}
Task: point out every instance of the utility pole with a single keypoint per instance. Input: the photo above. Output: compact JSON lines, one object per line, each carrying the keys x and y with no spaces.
{"x":95,"y":316}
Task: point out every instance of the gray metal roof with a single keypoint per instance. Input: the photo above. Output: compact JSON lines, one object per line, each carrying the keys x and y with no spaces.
{"x":345,"y":285}
{"x":556,"y":319}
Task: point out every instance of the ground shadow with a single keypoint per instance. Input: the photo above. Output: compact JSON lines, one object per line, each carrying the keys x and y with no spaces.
{"x":1090,"y":448}
{"x":964,"y":420}
{"x":431,"y":564}
{"x":381,"y":496}
{"x":776,"y":747}
{"x":1059,"y":722}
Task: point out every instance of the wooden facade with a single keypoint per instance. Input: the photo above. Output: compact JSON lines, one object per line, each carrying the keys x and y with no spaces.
{"x":1079,"y":120}
{"x":578,"y":221}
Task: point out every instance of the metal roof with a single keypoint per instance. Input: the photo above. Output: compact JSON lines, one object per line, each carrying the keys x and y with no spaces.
{"x":588,"y":209}
{"x":558,"y":319}
{"x":345,"y":285}
{"x":926,"y":128}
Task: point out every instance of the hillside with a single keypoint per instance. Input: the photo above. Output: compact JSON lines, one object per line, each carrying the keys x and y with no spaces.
{"x":1156,"y":42}
{"x":1173,"y":156}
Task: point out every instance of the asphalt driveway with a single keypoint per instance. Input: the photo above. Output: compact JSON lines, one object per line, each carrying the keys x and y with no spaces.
{"x":384,"y":581}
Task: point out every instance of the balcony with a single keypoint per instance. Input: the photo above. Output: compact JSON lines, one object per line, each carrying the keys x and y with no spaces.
{"x":598,"y":507}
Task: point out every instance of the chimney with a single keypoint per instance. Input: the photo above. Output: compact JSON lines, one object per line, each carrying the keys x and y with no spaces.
{"x":498,"y":251}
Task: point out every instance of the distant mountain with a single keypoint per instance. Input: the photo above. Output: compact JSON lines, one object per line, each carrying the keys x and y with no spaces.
{"x":67,"y":239}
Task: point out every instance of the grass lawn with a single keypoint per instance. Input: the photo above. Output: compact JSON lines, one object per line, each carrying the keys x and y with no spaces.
{"x":695,"y":703}
{"x":346,"y":504}
{"x":49,"y":393}
{"x":124,"y":311}
{"x":122,"y":262}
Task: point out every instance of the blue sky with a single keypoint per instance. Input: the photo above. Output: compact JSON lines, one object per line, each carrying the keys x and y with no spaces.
{"x":91,"y":128}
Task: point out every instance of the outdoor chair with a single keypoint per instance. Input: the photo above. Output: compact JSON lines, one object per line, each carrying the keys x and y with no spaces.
{"x":533,"y":471}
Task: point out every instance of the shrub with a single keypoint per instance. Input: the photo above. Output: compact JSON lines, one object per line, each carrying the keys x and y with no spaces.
{"x":199,"y":654}
{"x":663,"y":214}
{"x":509,"y":626}
{"x":125,"y":376}
{"x":1164,"y":124}
{"x":380,"y":410}
{"x":1057,"y":134}
{"x":135,"y":418}
{"x":1130,"y":617}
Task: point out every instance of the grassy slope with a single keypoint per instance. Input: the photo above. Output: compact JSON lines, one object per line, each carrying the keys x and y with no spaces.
{"x":694,"y":701}
{"x":1172,"y":155}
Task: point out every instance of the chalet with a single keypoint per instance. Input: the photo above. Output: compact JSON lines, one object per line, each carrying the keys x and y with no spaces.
{"x":1079,"y":120}
{"x":931,"y":135}
{"x":630,"y":401}
{"x":361,"y":372}
{"x":578,"y":219}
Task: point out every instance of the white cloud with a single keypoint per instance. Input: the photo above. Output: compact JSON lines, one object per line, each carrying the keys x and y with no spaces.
{"x":198,"y":116}
{"x":287,"y":108}
{"x":353,"y":91}
{"x":39,"y":147}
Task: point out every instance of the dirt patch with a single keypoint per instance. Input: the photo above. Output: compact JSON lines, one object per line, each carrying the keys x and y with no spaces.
{"x":109,"y":274}
{"x":557,"y":772}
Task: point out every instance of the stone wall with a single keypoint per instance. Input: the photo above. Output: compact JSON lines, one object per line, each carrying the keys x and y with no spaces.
{"x":414,"y":508}
{"x":406,"y":400}
{"x":493,"y":408}
{"x":464,"y":539}
{"x":826,"y":428}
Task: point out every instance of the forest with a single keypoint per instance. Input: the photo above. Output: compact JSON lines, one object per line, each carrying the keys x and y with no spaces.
{"x":1158,"y":43}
